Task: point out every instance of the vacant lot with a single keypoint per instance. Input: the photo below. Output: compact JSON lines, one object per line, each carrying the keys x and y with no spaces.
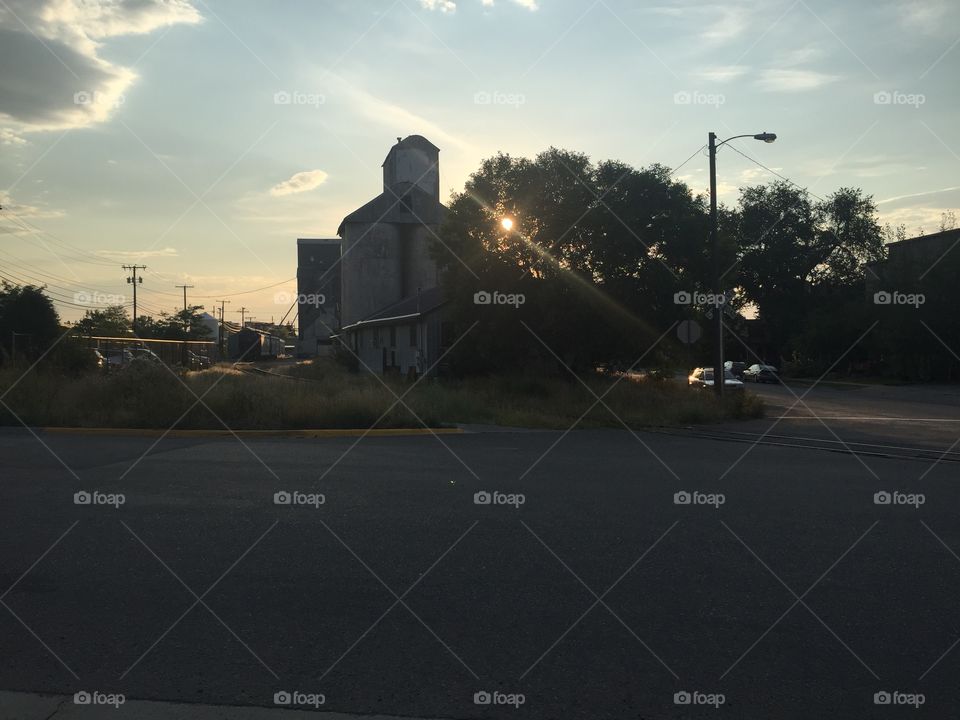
{"x":322,"y":394}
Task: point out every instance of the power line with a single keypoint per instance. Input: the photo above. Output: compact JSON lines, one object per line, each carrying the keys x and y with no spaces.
{"x":774,"y":172}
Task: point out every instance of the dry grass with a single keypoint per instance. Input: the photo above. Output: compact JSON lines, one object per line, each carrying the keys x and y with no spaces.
{"x":321,"y":394}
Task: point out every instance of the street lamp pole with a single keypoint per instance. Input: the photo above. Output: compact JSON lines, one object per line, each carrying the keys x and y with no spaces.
{"x":719,"y":379}
{"x":718,"y":375}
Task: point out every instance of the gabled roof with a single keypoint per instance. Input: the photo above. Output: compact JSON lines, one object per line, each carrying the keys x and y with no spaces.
{"x":390,"y":207}
{"x":418,"y":141}
{"x":407,"y":309}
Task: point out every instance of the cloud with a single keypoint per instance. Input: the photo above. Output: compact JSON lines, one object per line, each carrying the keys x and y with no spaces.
{"x":441,"y":5}
{"x":450,"y":6}
{"x":399,"y":120}
{"x":138,"y":254}
{"x":300,"y":182}
{"x":723,"y":73}
{"x":60,"y":81}
{"x":918,"y":194}
{"x":775,"y":80}
{"x":25,"y":211}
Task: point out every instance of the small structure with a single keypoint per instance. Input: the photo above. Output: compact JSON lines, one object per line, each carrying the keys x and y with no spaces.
{"x":403,"y":338}
{"x":388,"y":278}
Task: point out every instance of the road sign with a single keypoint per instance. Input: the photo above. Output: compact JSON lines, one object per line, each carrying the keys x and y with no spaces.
{"x":688,"y":331}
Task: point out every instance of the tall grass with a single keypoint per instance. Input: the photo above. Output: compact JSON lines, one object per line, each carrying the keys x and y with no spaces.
{"x":321,"y":394}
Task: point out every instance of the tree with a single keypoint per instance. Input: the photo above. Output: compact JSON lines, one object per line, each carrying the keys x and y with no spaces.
{"x":797,"y":255}
{"x":109,"y":322}
{"x":29,"y":324}
{"x":598,"y":251}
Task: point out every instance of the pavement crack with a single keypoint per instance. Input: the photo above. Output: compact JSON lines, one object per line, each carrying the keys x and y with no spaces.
{"x":59,"y":707}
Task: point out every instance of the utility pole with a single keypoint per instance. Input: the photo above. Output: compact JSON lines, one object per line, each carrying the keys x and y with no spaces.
{"x":243,"y":317}
{"x":220,"y":338}
{"x":184,"y":294}
{"x":133,"y":279}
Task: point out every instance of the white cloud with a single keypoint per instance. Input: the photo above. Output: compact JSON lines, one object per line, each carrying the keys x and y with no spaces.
{"x":300,"y":182}
{"x":61,"y":81}
{"x":449,"y":6}
{"x":918,"y":194}
{"x":779,"y":80}
{"x":441,"y":5}
{"x":723,"y":73}
{"x":138,"y":254}
{"x":26,"y":211}
{"x":399,"y":120}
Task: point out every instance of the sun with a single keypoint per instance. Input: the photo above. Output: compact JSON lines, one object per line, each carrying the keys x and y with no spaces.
{"x":507,"y":224}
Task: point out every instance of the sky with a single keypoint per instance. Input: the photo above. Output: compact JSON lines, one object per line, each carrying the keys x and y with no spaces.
{"x":201,"y":138}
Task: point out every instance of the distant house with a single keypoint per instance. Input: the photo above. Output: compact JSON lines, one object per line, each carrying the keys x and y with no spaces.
{"x":388,"y":279}
{"x":318,"y":288}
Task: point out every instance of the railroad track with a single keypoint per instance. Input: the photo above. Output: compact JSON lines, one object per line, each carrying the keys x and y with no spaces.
{"x":847,"y":447}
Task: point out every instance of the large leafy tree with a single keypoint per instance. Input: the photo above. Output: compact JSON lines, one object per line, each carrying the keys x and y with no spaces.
{"x":28,"y":321}
{"x":110,"y":322}
{"x":797,"y":255}
{"x":597,"y":249}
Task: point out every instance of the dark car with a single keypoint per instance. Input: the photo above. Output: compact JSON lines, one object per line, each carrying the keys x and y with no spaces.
{"x":736,"y":368}
{"x":761,"y":374}
{"x":147,"y":355}
{"x":117,"y":357}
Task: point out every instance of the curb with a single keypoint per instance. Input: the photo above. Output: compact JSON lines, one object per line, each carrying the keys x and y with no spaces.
{"x":318,"y":433}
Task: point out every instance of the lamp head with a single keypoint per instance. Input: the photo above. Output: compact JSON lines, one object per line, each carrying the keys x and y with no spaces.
{"x":766,"y":137}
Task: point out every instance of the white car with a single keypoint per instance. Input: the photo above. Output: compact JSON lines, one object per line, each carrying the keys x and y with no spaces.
{"x":703,"y":378}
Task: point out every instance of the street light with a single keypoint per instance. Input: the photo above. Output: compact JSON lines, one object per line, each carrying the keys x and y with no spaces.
{"x":719,"y":379}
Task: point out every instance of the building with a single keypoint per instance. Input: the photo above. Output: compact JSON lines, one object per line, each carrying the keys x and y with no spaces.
{"x":911,"y":259}
{"x":318,"y":294}
{"x":403,"y":338}
{"x":388,"y":278}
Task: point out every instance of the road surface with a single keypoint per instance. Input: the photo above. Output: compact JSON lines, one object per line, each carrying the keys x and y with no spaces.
{"x":584,"y":590}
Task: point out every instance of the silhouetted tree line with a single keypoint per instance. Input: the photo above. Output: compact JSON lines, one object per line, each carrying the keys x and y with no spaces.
{"x":601,"y":251}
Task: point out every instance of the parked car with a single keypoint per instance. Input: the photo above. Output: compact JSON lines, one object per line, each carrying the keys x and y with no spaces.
{"x":702,"y":378}
{"x":198,"y":362}
{"x":118,"y":357}
{"x":98,"y":359}
{"x":761,"y":373}
{"x":147,"y":354}
{"x":736,"y":368}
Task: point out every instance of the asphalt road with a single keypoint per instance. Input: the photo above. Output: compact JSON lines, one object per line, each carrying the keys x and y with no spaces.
{"x":598,"y":597}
